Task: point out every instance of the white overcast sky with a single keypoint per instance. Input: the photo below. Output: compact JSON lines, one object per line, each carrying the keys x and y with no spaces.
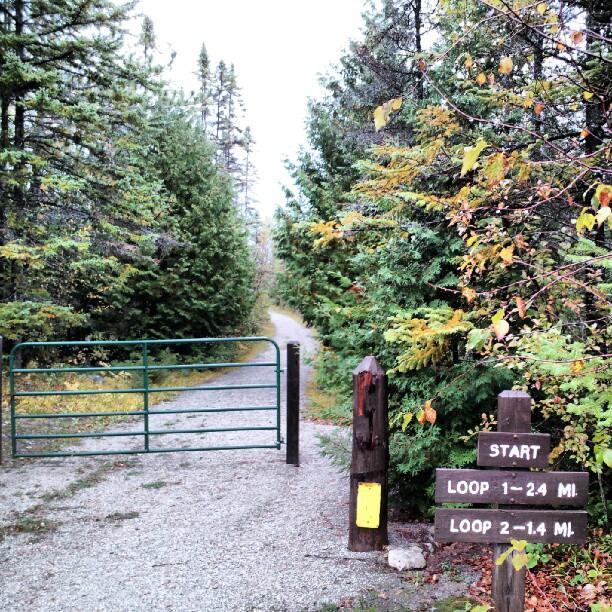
{"x":279,"y":48}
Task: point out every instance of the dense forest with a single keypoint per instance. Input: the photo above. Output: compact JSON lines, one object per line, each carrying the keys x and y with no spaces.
{"x":452,"y":217}
{"x":125,"y":208}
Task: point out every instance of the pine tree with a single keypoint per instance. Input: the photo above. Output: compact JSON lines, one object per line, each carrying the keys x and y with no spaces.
{"x":204,"y":79}
{"x":147,"y":39}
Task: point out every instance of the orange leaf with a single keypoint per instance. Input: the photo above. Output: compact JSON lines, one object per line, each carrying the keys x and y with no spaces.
{"x":430,"y":413}
{"x":481,"y":79}
{"x":421,"y":417}
{"x":522,"y":308}
{"x":577,"y":37}
{"x":469,"y":294}
{"x":584,"y":132}
{"x":538,"y":108}
{"x":422,"y":65}
{"x":577,"y":366}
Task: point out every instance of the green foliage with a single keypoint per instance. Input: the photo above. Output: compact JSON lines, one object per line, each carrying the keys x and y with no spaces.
{"x":116,"y":219}
{"x":461,"y":236}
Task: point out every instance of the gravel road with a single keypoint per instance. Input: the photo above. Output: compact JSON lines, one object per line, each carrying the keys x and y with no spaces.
{"x":216,"y":531}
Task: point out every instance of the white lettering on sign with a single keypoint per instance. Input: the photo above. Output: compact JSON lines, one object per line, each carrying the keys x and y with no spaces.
{"x":532,"y":491}
{"x":473,"y":487}
{"x":566,"y":490}
{"x":564,"y":529}
{"x":515,"y":451}
{"x":470,"y":526}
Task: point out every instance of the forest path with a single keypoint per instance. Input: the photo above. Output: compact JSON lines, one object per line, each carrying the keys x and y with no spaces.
{"x":216,"y":531}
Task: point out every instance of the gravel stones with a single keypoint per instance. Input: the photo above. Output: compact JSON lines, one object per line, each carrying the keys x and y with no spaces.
{"x":226,"y":531}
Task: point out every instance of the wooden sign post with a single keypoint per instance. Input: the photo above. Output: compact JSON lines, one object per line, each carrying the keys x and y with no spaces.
{"x":514,"y":448}
{"x":370,"y":460}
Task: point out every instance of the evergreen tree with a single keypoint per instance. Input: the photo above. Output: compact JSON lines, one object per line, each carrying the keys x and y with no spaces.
{"x":204,"y":79}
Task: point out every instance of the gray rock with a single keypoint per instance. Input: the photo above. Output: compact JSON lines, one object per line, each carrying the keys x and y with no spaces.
{"x":407,"y":558}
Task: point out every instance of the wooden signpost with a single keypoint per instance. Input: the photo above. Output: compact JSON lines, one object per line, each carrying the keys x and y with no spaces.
{"x":512,"y":447}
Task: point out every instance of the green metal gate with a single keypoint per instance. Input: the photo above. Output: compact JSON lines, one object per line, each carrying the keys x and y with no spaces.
{"x":145,"y":432}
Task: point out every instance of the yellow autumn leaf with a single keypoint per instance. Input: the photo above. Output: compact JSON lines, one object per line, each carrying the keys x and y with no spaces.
{"x":519,"y":561}
{"x":381,"y":117}
{"x":470,"y":155}
{"x":501,"y":329}
{"x":498,"y":316}
{"x":481,"y":79}
{"x":507,"y":254}
{"x":469,"y":62}
{"x":383,"y":112}
{"x":587,"y":95}
{"x":518,"y":544}
{"x":586,"y":220}
{"x":505,"y":65}
{"x":406,"y":420}
{"x":541,"y":8}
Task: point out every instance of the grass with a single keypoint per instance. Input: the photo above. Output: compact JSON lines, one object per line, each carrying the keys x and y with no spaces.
{"x":91,"y":480}
{"x":325,"y":406}
{"x":157,"y":484}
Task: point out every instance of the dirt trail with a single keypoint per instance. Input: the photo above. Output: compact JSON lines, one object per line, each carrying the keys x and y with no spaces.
{"x":216,"y":531}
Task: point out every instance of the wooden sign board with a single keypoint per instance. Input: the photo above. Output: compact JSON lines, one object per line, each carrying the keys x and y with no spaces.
{"x":509,"y":487}
{"x":503,"y":449}
{"x":501,"y":526}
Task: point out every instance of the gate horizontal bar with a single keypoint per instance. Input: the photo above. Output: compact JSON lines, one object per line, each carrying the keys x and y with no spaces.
{"x":141,"y":342}
{"x":151,"y":450}
{"x":128,"y":434}
{"x":139,"y":368}
{"x":78,"y":415}
{"x":139,"y":390}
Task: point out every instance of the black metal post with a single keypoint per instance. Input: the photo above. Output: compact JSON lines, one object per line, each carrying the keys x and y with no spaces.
{"x":1,"y":357}
{"x":293,"y":403}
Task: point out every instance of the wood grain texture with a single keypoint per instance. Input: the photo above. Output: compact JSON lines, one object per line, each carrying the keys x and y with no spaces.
{"x":370,"y":457}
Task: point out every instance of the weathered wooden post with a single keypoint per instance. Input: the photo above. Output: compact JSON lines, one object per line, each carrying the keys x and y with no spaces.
{"x":508,"y":584}
{"x":370,"y":459}
{"x":1,"y":357}
{"x":293,"y":403}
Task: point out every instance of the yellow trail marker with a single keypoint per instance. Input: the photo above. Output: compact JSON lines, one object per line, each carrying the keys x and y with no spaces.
{"x":368,"y":505}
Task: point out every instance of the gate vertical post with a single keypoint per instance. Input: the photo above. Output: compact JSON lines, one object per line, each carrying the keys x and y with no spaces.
{"x":1,"y":357}
{"x":12,"y":401}
{"x":370,"y":459}
{"x":145,"y":386}
{"x":508,"y":585}
{"x":293,"y":403}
